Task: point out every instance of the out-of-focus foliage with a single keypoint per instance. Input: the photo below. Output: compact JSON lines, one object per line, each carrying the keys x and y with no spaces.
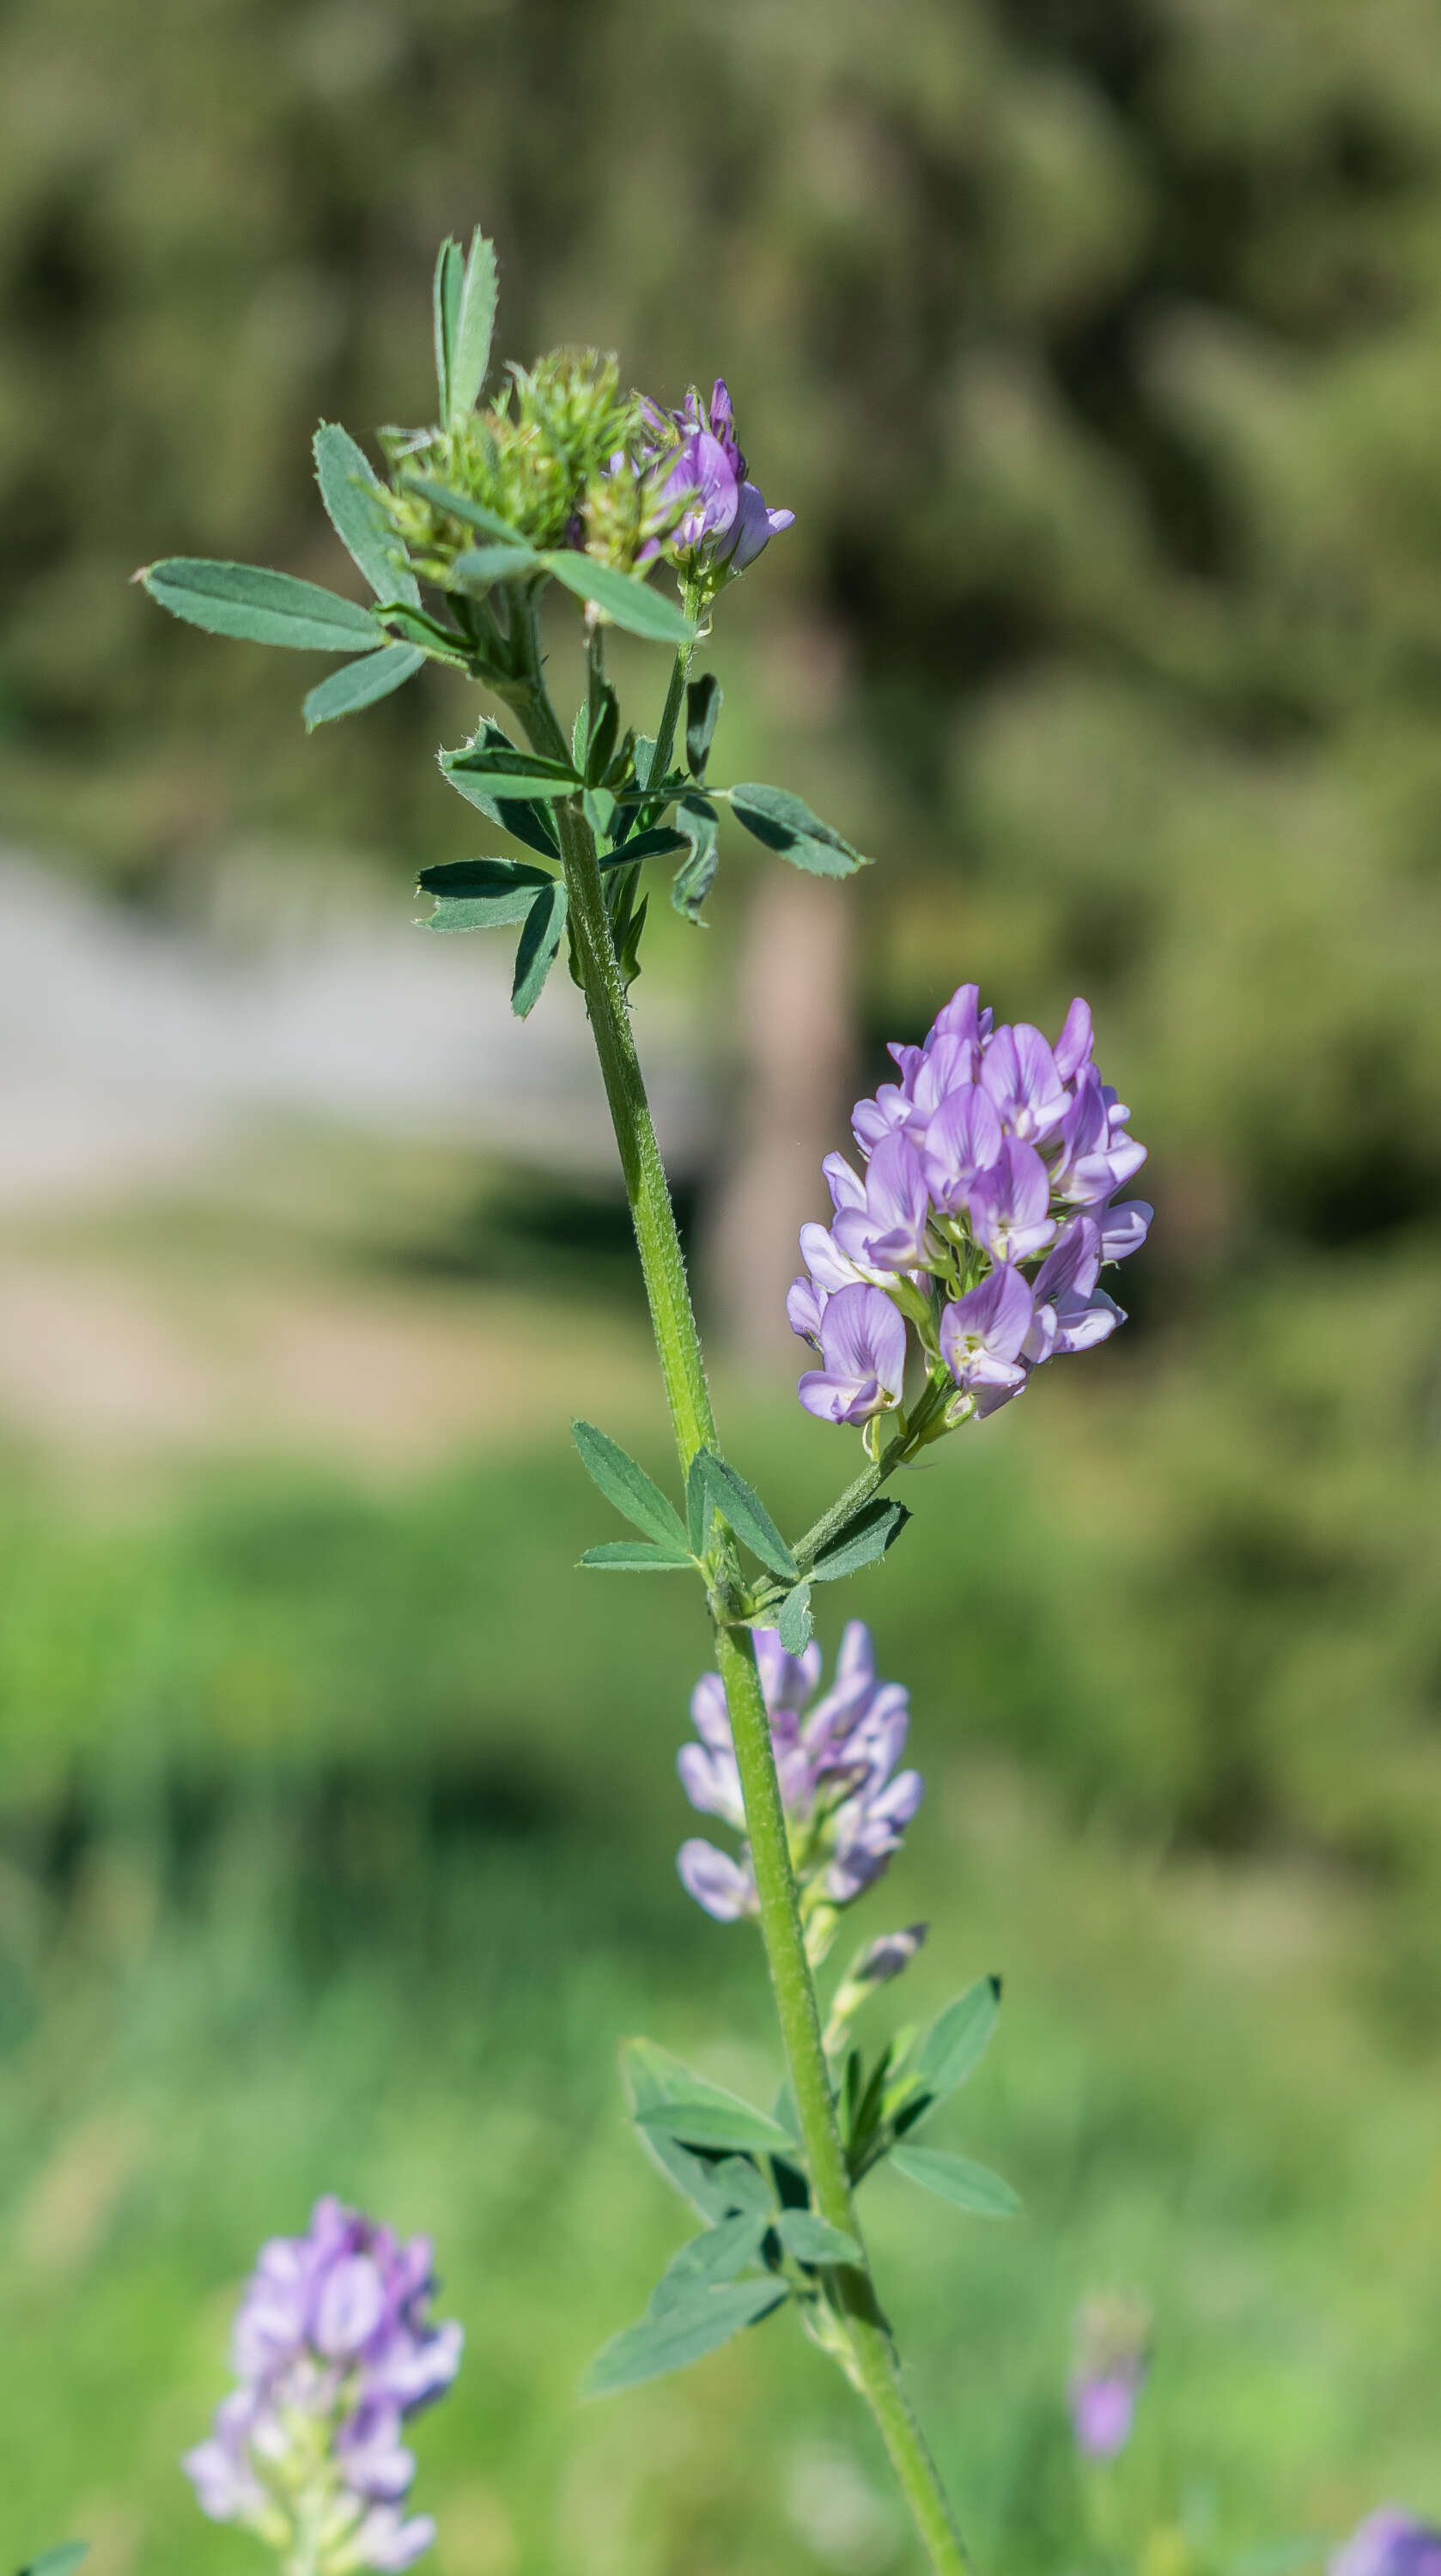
{"x":1096,"y":347}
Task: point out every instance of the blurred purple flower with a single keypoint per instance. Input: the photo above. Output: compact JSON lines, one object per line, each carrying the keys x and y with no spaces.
{"x":846,"y":1805}
{"x":1113,"y":2336}
{"x":1389,"y":2542}
{"x":333,"y":2346}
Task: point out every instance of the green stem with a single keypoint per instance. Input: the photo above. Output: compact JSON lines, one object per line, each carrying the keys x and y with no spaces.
{"x":865,"y":2346}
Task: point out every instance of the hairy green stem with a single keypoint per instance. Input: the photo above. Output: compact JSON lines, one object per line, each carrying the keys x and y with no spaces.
{"x":862,"y":2338}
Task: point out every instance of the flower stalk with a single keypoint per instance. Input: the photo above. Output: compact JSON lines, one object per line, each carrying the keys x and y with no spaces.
{"x":862,"y":2340}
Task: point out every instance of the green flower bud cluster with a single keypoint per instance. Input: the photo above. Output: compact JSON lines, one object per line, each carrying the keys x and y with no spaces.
{"x":565,"y":457}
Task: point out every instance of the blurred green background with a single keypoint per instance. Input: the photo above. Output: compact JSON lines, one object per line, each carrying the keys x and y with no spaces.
{"x":1095,"y":343}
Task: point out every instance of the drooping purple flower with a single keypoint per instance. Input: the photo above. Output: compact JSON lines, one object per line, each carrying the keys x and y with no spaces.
{"x":846,"y":1805}
{"x":1113,"y":2337}
{"x":333,"y":2347}
{"x":863,"y":1348}
{"x":1390,"y":2542}
{"x":982,"y":1336}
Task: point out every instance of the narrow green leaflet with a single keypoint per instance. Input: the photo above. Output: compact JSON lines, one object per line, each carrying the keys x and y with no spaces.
{"x":627,"y":1485}
{"x":441,"y":642}
{"x":359,"y":684}
{"x":259,"y":606}
{"x":498,"y":766}
{"x":468,"y":332}
{"x":60,"y":2561}
{"x":864,"y":1537}
{"x":449,"y":277}
{"x":357,"y":512}
{"x":631,"y":604}
{"x":966,"y":2185}
{"x":957,"y":2040}
{"x":602,"y":736}
{"x":529,"y":822}
{"x":635,"y":1556}
{"x":684,"y":2333}
{"x":810,"y":2239}
{"x":703,"y":700}
{"x":718,"y":2255}
{"x":709,"y":2116}
{"x":696,"y":818}
{"x":785,"y":824}
{"x":481,"y":894}
{"x":794,"y":1623}
{"x":458,"y":505}
{"x":481,"y":567}
{"x":539,"y":939}
{"x":747,"y":1516}
{"x":659,"y":844}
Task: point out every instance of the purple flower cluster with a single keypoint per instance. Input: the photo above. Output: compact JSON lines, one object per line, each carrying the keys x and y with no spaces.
{"x":985,"y":1212}
{"x":1390,"y":2543}
{"x":846,"y":1804}
{"x":724,"y":522}
{"x":1112,"y":2358}
{"x":333,"y":2347}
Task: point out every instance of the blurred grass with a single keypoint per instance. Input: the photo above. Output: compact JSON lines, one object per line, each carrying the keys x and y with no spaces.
{"x":337,"y":1854}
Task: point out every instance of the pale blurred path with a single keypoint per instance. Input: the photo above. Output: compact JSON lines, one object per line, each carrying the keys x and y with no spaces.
{"x":194,"y":1131}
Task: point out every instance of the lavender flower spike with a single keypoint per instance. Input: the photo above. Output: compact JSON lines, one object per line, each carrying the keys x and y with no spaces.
{"x":1389,"y":2543}
{"x":333,"y":2348}
{"x":846,"y":1804}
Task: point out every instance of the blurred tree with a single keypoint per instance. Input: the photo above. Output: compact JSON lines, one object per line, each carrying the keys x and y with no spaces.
{"x":1095,"y":343}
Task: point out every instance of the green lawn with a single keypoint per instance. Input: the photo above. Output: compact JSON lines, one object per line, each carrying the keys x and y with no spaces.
{"x":338,"y":1844}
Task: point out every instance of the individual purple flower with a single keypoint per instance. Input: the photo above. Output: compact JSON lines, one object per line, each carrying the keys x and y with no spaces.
{"x":982,"y":1336}
{"x":1113,"y":2338}
{"x":963,"y":1140}
{"x":890,"y":1230}
{"x":846,"y":1804}
{"x":1096,"y":1157}
{"x":334,"y":2347}
{"x":1390,"y":2542}
{"x":1071,"y":1312}
{"x":724,"y":520}
{"x":863,"y":1348}
{"x":1019,"y":1073}
{"x":1010,"y":1204}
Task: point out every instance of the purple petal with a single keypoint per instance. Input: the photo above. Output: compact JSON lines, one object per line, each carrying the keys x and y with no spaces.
{"x":963,"y":1139}
{"x":1019,"y":1072}
{"x":981,"y":1333}
{"x":864,"y":1335}
{"x":1073,"y":1263}
{"x":1009,"y":1205}
{"x":715,"y":1881}
{"x":805,"y":1305}
{"x":1073,"y":1046}
{"x":897,"y":1205}
{"x":349,"y":2308}
{"x":1124,"y":1229}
